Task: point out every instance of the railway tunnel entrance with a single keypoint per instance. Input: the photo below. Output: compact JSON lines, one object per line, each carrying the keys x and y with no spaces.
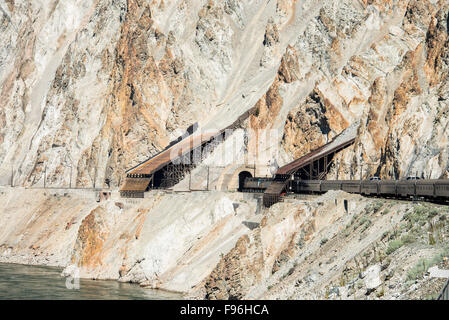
{"x":242,"y":176}
{"x":171,"y":165}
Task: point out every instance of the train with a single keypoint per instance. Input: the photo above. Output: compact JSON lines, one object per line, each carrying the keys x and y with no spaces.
{"x":437,"y":189}
{"x":432,"y":189}
{"x":256,"y":184}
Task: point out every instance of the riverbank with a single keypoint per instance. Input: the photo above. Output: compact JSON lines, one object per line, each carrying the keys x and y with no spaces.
{"x":222,"y":245}
{"x":167,"y":240}
{"x":22,"y":282}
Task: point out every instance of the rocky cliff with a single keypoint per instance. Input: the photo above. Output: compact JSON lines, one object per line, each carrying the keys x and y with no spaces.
{"x":169,"y":241}
{"x":224,"y":245}
{"x":90,"y":88}
{"x":336,"y":246}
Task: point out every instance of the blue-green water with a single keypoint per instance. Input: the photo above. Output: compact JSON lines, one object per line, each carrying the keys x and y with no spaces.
{"x":19,"y":282}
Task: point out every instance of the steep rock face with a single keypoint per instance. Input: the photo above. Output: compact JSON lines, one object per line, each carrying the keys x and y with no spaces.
{"x":92,"y":88}
{"x":394,"y":84}
{"x":169,"y":241}
{"x":253,"y":257}
{"x":336,"y":246}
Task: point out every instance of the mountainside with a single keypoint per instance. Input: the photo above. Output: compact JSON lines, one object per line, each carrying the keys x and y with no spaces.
{"x":91,"y":88}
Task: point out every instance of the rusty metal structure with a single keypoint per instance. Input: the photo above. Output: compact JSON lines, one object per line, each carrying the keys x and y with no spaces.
{"x":312,"y":166}
{"x":170,"y":166}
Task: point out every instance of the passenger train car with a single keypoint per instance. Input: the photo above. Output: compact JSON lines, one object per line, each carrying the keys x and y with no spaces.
{"x":434,"y":189}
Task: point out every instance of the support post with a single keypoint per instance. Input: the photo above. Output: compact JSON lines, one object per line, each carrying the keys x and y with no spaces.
{"x":254,"y":168}
{"x":338,"y":167}
{"x":207,"y":186}
{"x":325,"y":167}
{"x":319,"y":172}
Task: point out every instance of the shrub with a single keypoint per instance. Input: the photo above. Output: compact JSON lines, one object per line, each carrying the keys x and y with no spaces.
{"x":363,"y":220}
{"x":408,"y":238}
{"x":431,"y":239}
{"x":423,"y":265}
{"x":323,"y":241}
{"x":377,"y":206}
{"x":418,"y":270}
{"x":396,"y":244}
{"x":415,"y":216}
{"x":432,"y":213}
{"x":432,"y":296}
{"x":366,"y":225}
{"x":393,"y":246}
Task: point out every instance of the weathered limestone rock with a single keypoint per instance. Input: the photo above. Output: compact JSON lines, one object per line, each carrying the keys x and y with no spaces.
{"x":372,"y":278}
{"x":91,"y":88}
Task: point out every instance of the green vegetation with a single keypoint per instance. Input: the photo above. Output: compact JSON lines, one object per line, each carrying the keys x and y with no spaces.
{"x":418,"y":270}
{"x":396,"y":244}
{"x":323,"y":241}
{"x":393,"y":246}
{"x":377,"y":206}
{"x":432,"y":296}
{"x":424,"y":264}
{"x":374,"y":207}
{"x":365,"y":223}
{"x":420,"y":215}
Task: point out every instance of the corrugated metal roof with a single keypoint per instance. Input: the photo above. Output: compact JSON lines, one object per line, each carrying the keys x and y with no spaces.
{"x":165,"y":157}
{"x":135,"y":184}
{"x":344,"y":139}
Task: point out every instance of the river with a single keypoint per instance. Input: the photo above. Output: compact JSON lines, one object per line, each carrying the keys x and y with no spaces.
{"x":19,"y":282}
